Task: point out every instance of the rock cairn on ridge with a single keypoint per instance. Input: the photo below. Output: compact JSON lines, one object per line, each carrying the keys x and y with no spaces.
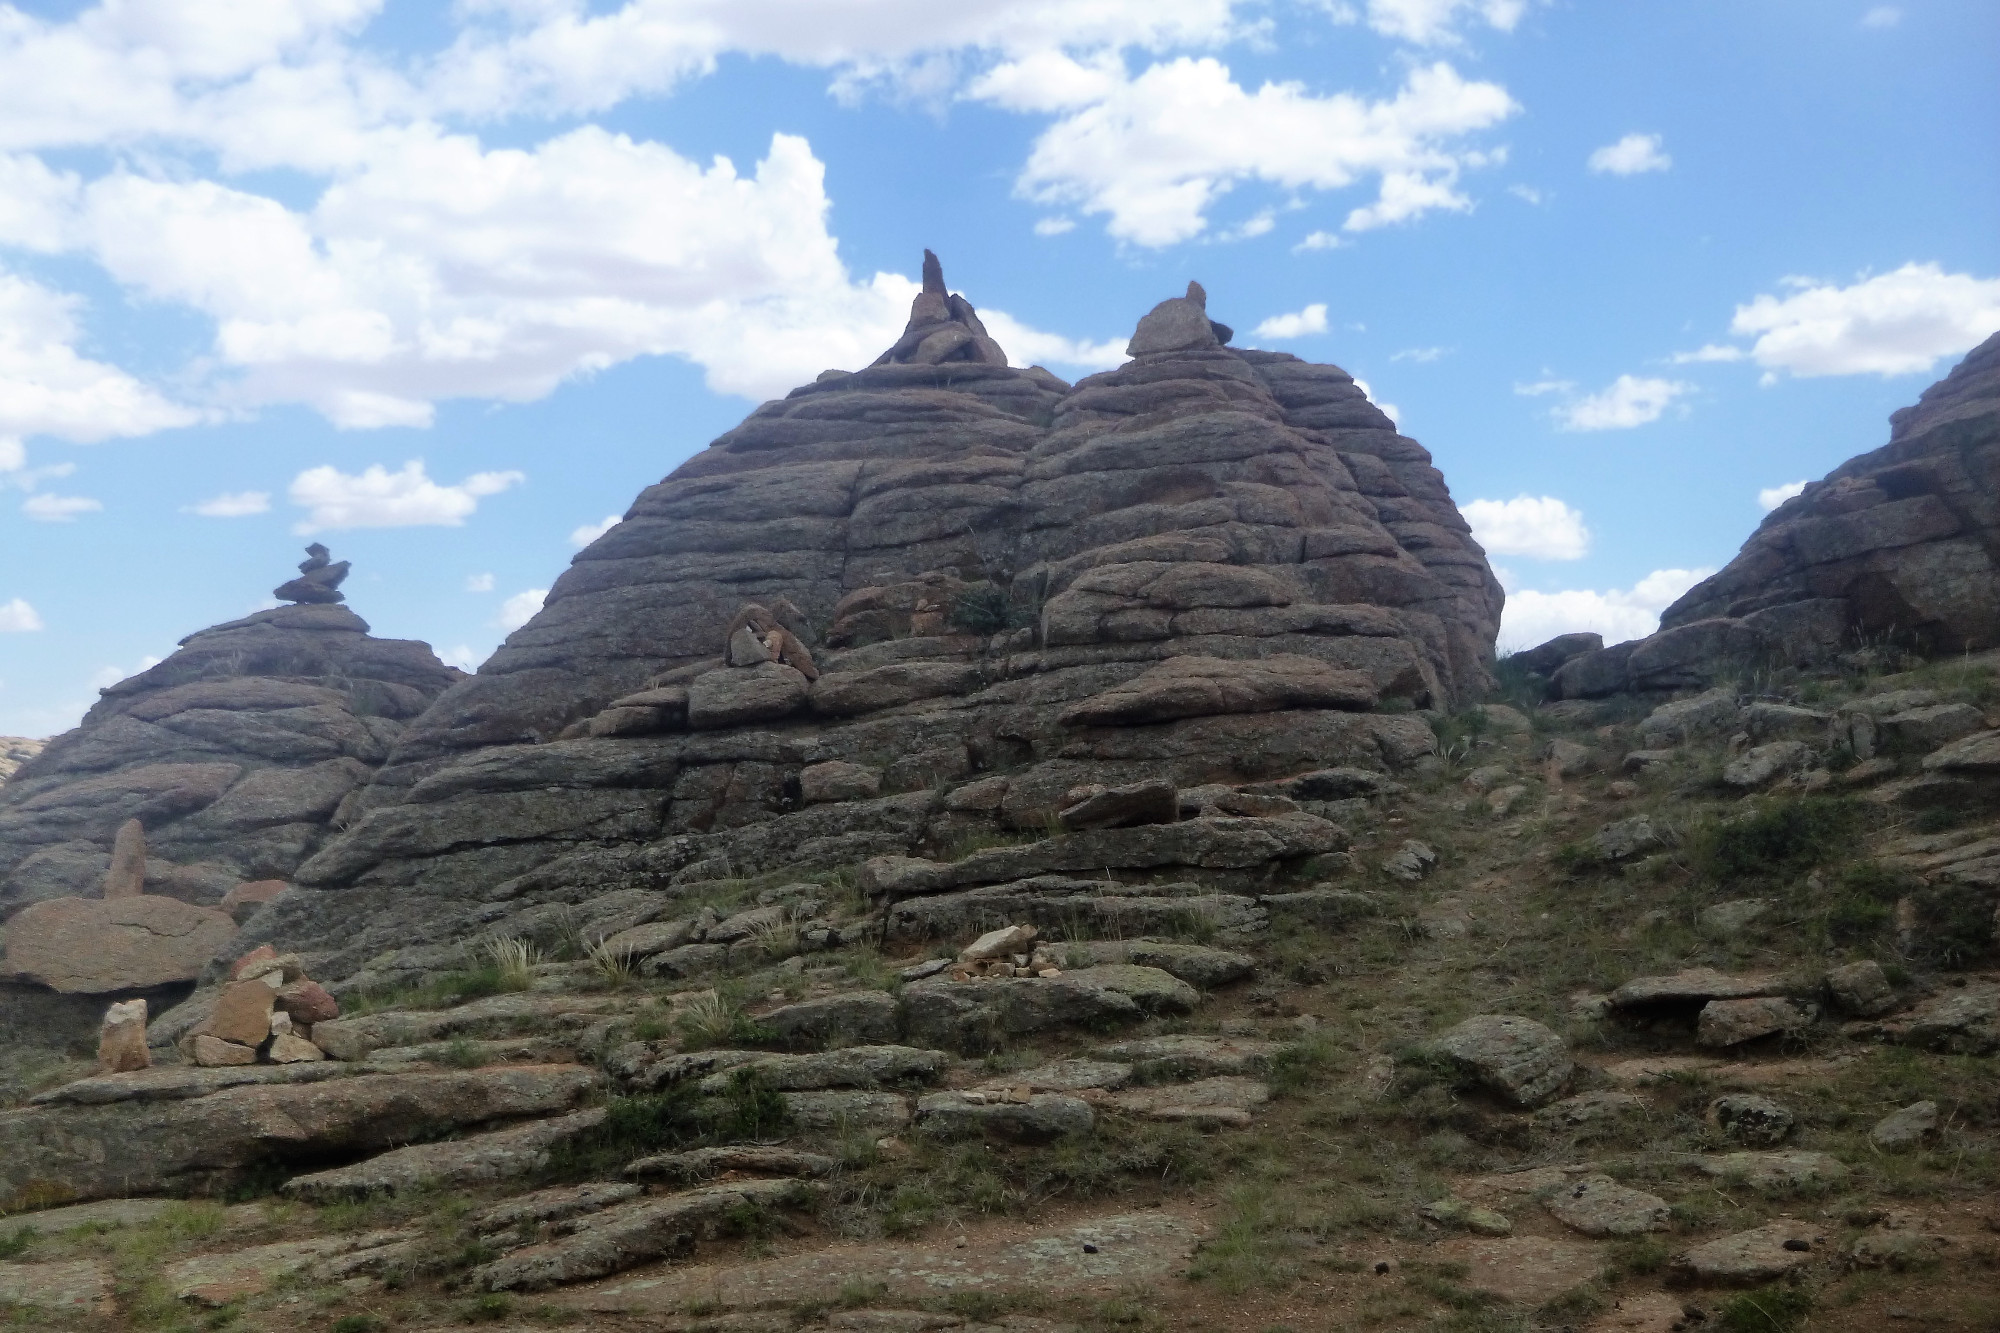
{"x":233,"y":755}
{"x":965,"y":555}
{"x":319,"y":580}
{"x":1898,"y":546}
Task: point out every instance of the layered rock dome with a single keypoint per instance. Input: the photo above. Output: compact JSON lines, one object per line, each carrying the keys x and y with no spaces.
{"x":945,"y":560}
{"x":235,"y":754}
{"x":1896,"y":547}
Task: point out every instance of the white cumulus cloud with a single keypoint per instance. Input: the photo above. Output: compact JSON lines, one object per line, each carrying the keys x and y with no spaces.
{"x":1629,"y":401}
{"x":586,"y":534}
{"x":51,"y":508}
{"x":1298,"y":324}
{"x":1028,"y":346}
{"x":1707,"y":353}
{"x":1154,"y":152}
{"x":1771,"y":497}
{"x":17,"y":617}
{"x":1538,"y":526}
{"x":479,"y":583}
{"x":1437,"y":22}
{"x":1321,"y":240}
{"x":233,"y":504}
{"x":1618,"y":614}
{"x":1898,"y":323}
{"x":519,"y":609}
{"x":1631,"y":156}
{"x":46,"y":388}
{"x":460,"y":657}
{"x":379,"y":498}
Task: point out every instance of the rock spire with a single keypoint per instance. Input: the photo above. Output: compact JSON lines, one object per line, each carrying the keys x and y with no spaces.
{"x":943,"y":328}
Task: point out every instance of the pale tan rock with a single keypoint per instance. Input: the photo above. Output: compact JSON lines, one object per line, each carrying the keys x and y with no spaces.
{"x":242,"y":1013}
{"x":213,"y":1052}
{"x":289,"y":1048}
{"x":127,"y":876}
{"x":1757,"y":1255}
{"x":87,"y":946}
{"x":243,"y":901}
{"x":999,"y":943}
{"x":121,"y":1040}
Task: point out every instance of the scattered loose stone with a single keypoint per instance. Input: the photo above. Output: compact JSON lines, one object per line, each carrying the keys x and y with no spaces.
{"x":1905,"y":1128}
{"x":1626,"y":839}
{"x":213,"y":1052}
{"x":1453,"y":1211}
{"x":1590,"y":1108}
{"x":1517,"y":1058}
{"x":1410,"y":862}
{"x":1751,"y":1120}
{"x":1964,"y":1022}
{"x":1599,"y":1206}
{"x":1773,"y":1170}
{"x":1731,"y":919}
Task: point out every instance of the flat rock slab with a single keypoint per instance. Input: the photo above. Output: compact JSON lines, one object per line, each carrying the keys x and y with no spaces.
{"x":1600,"y":1206}
{"x":231,"y":1275}
{"x":1064,"y":1076}
{"x":629,"y":1234}
{"x":1128,"y":1248}
{"x":90,"y":946}
{"x":74,"y":1286}
{"x":555,"y":1204}
{"x":105,"y":1213}
{"x":849,"y":1111}
{"x":1696,"y":986}
{"x":849,"y":1067}
{"x":705,"y":1163}
{"x":1527,"y":1270}
{"x":1222,"y":1101}
{"x":1751,"y":1257}
{"x":1773,"y":1170}
{"x":500,"y":1155}
{"x":106,"y":1151}
{"x":496,"y":1015}
{"x":1187,"y":1057}
{"x":1644,"y":1312}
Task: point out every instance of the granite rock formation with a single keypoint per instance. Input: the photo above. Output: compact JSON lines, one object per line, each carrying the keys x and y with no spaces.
{"x":235,"y":754}
{"x":14,"y":752}
{"x":940,"y":561}
{"x":1898,"y":546}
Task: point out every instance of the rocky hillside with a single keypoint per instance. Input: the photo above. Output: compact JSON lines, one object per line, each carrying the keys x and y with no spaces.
{"x":907,"y":608}
{"x":1898,"y":549}
{"x":14,"y":752}
{"x":235,"y":754}
{"x":1125,"y":904}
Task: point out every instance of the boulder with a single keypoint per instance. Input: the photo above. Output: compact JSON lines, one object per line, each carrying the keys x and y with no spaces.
{"x":1976,"y":755}
{"x":849,"y":1019}
{"x":1758,"y":765}
{"x":92,"y":946}
{"x":1861,"y":989}
{"x":1626,"y":839}
{"x":1000,"y":943}
{"x":1906,"y":1128}
{"x":1695,"y":986}
{"x":242,"y":1013}
{"x":1544,"y":658}
{"x":213,"y":1052}
{"x":1725,"y":1023}
{"x":731,"y":697}
{"x":1752,"y":1120}
{"x":121,"y":1042}
{"x":979,"y":1015}
{"x":1516,"y":1058}
{"x":1965,"y":1022}
{"x":1712,"y":712}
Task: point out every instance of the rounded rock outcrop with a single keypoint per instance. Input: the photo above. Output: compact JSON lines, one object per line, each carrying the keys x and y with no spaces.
{"x":982,"y":570}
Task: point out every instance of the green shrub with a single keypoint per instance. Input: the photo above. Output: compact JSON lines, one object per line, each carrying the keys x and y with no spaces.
{"x":1766,"y":1310}
{"x":1954,"y":925}
{"x":358,"y":1323}
{"x":15,"y":1245}
{"x":983,"y":608}
{"x":1783,"y":837}
{"x":671,"y":1121}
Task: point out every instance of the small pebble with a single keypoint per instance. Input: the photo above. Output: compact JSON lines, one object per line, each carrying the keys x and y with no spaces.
{"x":1088,"y":1248}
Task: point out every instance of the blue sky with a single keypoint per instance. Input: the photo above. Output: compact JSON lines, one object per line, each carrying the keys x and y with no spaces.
{"x":444,"y":286}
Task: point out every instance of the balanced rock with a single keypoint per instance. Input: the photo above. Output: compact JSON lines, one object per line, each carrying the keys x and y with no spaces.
{"x":93,"y":946}
{"x":1893,"y":545}
{"x":318,"y":582}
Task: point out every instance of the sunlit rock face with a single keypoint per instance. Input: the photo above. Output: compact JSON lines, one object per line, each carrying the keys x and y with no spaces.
{"x":917,"y":571}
